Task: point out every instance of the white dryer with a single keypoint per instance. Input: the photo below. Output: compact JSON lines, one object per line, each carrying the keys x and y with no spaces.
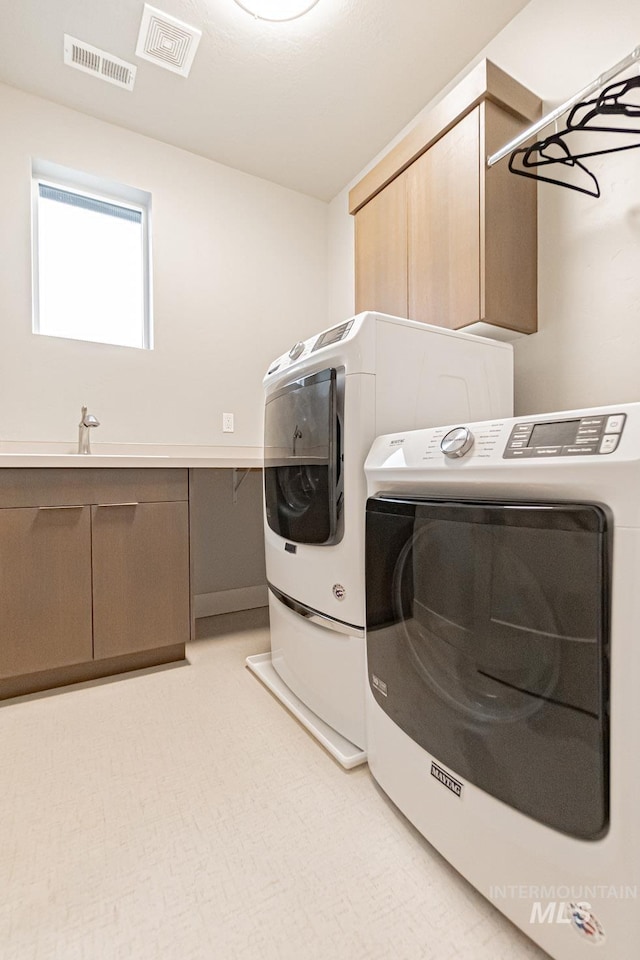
{"x":325,"y":401}
{"x":503,"y":716}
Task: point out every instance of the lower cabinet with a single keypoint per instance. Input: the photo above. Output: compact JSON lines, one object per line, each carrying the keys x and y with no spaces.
{"x":45,"y":595}
{"x":140,"y":576}
{"x":96,"y":586}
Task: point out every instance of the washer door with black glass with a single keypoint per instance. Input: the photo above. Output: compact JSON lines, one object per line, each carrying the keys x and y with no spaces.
{"x":487,"y":643}
{"x":303,"y":459}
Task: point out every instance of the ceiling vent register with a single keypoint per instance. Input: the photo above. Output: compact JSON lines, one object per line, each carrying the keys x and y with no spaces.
{"x":101,"y":64}
{"x":166,"y":41}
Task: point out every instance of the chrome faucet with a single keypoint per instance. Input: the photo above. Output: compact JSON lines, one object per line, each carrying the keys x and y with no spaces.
{"x":87,"y":420}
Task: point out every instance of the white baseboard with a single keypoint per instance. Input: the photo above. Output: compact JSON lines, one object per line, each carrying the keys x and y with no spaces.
{"x":228,"y":601}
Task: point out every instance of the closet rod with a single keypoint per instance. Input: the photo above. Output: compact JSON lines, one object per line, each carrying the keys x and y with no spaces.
{"x":564,"y":107}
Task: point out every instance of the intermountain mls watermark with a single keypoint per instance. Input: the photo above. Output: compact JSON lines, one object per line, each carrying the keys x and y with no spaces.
{"x":565,"y":904}
{"x":536,"y":893}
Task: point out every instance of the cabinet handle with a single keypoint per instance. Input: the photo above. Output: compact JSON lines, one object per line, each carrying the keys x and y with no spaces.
{"x":134,"y":503}
{"x":75,"y":506}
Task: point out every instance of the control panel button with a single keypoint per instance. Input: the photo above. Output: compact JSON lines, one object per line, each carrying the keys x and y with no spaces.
{"x":579,"y":451}
{"x":518,"y":454}
{"x":615,"y":424}
{"x":296,"y":350}
{"x":457,"y":442}
{"x":547,"y":451}
{"x":609,"y":443}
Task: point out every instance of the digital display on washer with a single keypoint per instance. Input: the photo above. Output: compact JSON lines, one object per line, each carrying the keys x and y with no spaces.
{"x":333,"y":335}
{"x":558,"y":433}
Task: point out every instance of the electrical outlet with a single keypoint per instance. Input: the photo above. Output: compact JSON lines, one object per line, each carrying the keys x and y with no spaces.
{"x":227,"y":423}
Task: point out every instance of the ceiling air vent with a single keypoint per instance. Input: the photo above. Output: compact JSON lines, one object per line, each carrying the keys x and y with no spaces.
{"x":167,"y":42}
{"x":89,"y":59}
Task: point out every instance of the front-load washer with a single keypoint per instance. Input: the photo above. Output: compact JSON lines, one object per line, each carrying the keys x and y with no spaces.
{"x":325,"y":401}
{"x":503,"y":716}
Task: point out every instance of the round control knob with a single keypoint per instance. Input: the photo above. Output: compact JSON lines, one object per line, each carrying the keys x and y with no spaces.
{"x":457,"y":442}
{"x":296,"y":350}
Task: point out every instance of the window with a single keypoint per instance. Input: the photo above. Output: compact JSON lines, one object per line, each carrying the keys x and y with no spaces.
{"x":91,"y":258}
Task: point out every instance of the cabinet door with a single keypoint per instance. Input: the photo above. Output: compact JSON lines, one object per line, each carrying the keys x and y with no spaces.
{"x":140,"y":577}
{"x":45,"y":588}
{"x":443,"y":200}
{"x":381,"y":251}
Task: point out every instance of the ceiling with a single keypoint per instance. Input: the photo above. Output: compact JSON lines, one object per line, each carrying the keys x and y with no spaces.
{"x":306,"y":104}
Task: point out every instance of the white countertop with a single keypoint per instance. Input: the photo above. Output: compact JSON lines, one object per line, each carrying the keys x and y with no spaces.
{"x":43,"y":454}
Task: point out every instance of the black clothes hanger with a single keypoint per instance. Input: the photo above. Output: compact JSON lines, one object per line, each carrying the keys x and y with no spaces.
{"x":565,"y":171}
{"x":582,"y":137}
{"x":605,"y":114}
{"x":588,"y":116}
{"x":609,"y":100}
{"x":556,"y":158}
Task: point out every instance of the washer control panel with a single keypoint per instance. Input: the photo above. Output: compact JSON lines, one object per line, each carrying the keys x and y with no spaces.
{"x":584,"y":436}
{"x":333,"y":335}
{"x":303,"y":348}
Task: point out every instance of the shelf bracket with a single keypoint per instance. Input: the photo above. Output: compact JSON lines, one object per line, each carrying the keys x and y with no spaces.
{"x":555,"y":114}
{"x":238,"y":477}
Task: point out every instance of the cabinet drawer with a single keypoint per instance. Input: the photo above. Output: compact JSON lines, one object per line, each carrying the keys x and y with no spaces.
{"x":49,"y":486}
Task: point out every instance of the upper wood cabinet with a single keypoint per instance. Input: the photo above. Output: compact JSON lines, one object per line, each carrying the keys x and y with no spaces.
{"x":381,"y":250}
{"x":443,"y":236}
{"x":440,"y":237}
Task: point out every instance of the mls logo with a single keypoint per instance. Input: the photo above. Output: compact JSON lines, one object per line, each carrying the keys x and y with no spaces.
{"x":576,"y":913}
{"x":586,"y":923}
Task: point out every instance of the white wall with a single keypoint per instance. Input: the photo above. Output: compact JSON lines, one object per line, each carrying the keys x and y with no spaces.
{"x":587,"y":349}
{"x":240,"y":273}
